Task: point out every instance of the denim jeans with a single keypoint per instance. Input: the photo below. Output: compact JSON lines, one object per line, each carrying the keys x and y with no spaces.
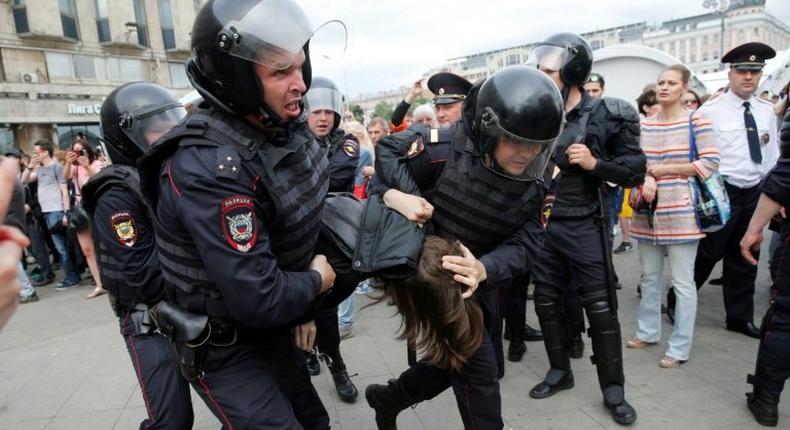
{"x":345,"y":312}
{"x":26,"y":288}
{"x":681,"y":268}
{"x":53,"y":219}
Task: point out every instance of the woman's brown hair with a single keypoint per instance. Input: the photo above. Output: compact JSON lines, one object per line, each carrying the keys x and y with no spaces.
{"x":445,"y":327}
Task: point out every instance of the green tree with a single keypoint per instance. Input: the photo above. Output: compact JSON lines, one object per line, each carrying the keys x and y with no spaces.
{"x":359,"y":113}
{"x":383,"y":109}
{"x":419,"y":101}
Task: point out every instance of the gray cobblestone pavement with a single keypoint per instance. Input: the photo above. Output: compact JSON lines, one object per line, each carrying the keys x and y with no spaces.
{"x":63,"y":365}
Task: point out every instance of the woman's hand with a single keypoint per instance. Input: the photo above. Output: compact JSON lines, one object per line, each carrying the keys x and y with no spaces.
{"x":658,"y":170}
{"x":649,"y":189}
{"x":83,"y":161}
{"x":468,"y":270}
{"x":70,"y":157}
{"x":368,"y":171}
{"x":415,"y":209}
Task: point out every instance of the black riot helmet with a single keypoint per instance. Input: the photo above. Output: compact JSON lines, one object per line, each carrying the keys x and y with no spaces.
{"x":567,"y":53}
{"x":134,"y":116}
{"x":324,"y":95}
{"x":524,"y":106}
{"x":229,"y":37}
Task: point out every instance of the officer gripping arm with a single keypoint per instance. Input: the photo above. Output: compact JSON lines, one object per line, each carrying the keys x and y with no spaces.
{"x":223,"y":218}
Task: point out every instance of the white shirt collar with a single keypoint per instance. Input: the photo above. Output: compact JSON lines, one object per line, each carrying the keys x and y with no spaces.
{"x":735,"y":100}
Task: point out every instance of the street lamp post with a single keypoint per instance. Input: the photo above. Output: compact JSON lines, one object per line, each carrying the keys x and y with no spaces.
{"x":721,"y":7}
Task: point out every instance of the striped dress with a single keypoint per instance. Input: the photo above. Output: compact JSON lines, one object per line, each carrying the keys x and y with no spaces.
{"x":674,"y":220}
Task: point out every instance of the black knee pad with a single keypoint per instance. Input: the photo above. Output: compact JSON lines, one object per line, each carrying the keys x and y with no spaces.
{"x":551,"y":316}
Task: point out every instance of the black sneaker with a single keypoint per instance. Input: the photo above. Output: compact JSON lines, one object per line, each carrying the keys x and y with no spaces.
{"x":29,"y":299}
{"x":42,"y":282}
{"x":65,"y":285}
{"x":624,"y":248}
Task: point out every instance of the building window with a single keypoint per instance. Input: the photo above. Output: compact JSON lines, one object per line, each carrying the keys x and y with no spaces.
{"x":596,"y":44}
{"x":59,"y":65}
{"x":756,"y":32}
{"x":139,"y":19}
{"x":716,"y":38}
{"x":692,"y":58}
{"x":178,"y":75}
{"x":512,"y":59}
{"x":102,"y":21}
{"x":166,"y":19}
{"x":84,"y":67}
{"x":705,"y":39}
{"x":68,"y":18}
{"x":125,"y":69}
{"x":20,"y":16}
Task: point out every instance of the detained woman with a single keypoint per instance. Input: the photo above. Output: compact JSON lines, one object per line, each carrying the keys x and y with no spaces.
{"x":672,"y":229}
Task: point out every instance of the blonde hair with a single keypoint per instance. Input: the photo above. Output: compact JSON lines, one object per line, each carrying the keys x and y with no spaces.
{"x":361,"y":133}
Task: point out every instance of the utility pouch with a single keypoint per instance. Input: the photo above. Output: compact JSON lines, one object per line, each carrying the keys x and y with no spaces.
{"x":141,"y":318}
{"x":188,"y":331}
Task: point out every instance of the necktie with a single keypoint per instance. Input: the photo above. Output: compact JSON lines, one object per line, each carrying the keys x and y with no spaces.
{"x":751,"y":133}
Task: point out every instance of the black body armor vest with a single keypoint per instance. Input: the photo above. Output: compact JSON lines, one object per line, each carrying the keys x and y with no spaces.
{"x":109,"y":269}
{"x":575,"y":192}
{"x":294,"y":182}
{"x":476,"y":205}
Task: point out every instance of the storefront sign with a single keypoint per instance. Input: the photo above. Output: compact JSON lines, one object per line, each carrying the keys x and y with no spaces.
{"x":75,"y":109}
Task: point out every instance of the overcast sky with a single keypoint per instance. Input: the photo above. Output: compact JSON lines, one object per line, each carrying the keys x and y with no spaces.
{"x":392,"y":43}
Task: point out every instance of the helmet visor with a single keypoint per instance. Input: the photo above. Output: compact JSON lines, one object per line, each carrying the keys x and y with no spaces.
{"x":516,"y":157}
{"x":146,"y":127}
{"x":549,"y":58}
{"x":271,"y":34}
{"x":324,"y":99}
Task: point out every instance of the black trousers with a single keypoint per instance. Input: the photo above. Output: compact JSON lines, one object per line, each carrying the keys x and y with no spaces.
{"x":773,"y":357}
{"x":573,"y":259}
{"x":738,"y":274}
{"x":39,"y":247}
{"x":327,"y":339}
{"x":476,"y":387}
{"x":165,"y":391}
{"x":261,"y":383}
{"x":515,"y":307}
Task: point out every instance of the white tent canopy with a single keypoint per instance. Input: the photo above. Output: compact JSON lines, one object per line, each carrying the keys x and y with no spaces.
{"x":628,"y":68}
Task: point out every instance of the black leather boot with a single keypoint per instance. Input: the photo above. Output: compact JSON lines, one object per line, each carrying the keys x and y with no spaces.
{"x":343,"y":385}
{"x":575,"y":330}
{"x":387,"y":400}
{"x":313,"y":365}
{"x":531,"y":334}
{"x":764,"y":407}
{"x":552,"y":321}
{"x":577,"y":347}
{"x":516,"y":350}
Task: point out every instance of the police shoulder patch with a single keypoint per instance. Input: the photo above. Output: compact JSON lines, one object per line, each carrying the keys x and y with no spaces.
{"x":350,"y":147}
{"x":124,"y":227}
{"x":416,"y":148}
{"x":238,"y":222}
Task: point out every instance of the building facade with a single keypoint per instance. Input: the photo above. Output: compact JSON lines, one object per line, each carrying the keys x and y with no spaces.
{"x":59,"y":59}
{"x":693,"y":40}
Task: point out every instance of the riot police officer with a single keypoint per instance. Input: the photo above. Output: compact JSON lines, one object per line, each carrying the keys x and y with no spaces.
{"x":773,"y":356}
{"x":478,"y":181}
{"x":600,"y":143}
{"x":323,"y":105}
{"x":238,"y":189}
{"x":133,"y":116}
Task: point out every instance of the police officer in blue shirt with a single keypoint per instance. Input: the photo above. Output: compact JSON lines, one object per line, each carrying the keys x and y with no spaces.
{"x":323,"y":104}
{"x":238,"y":189}
{"x":133,"y":116}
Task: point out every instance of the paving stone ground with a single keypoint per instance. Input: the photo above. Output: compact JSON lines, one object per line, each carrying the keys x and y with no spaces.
{"x":63,"y":365}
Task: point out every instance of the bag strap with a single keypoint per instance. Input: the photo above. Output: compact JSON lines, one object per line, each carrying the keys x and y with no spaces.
{"x":693,"y":153}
